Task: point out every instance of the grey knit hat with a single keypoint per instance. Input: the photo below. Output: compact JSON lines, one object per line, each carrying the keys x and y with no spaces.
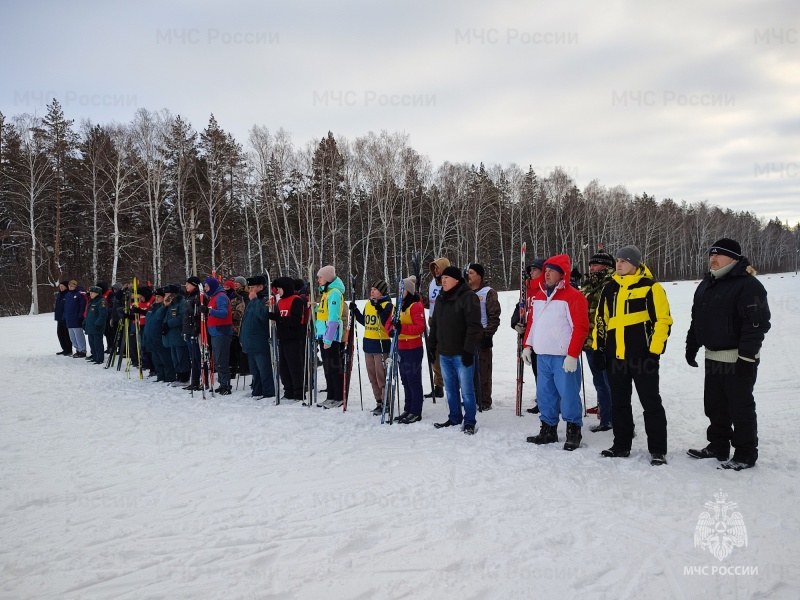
{"x":328,"y":273}
{"x":410,"y":284}
{"x":630,"y":253}
{"x":240,"y":281}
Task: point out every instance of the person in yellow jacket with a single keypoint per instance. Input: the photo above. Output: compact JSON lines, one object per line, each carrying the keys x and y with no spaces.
{"x":376,"y":340}
{"x":329,"y":331}
{"x":632,"y":325}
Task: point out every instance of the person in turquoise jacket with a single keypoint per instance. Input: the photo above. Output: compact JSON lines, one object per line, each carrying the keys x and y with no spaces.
{"x":329,"y":330}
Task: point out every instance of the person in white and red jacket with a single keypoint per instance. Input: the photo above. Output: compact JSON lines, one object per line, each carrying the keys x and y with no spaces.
{"x":556,"y":332}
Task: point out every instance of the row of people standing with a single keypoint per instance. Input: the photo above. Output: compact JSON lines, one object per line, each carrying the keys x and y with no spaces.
{"x":620,"y":319}
{"x":622,"y":322}
{"x":459,"y":344}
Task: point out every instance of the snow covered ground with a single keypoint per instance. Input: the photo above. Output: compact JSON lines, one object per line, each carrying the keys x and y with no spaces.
{"x":119,"y":488}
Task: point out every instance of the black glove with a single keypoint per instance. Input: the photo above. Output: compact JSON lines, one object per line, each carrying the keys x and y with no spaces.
{"x":273,"y":316}
{"x":599,"y":360}
{"x":203,"y":308}
{"x":745,"y":368}
{"x":467,"y":358}
{"x":398,"y":328}
{"x":130,"y":316}
{"x":353,"y":307}
{"x":691,"y":357}
{"x":165,"y":329}
{"x":486,"y":342}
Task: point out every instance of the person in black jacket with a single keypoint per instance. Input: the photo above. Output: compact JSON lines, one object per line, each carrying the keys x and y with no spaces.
{"x":61,"y":329}
{"x":291,"y":331}
{"x":455,"y":333}
{"x":191,"y":329}
{"x":730,"y":317}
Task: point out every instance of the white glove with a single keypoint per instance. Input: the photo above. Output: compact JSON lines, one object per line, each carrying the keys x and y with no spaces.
{"x":526,"y":355}
{"x":570,"y":364}
{"x":520,"y":327}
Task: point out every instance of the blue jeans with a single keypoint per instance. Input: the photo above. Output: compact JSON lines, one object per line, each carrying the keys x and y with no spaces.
{"x":558,"y":392}
{"x":600,"y":380}
{"x":458,"y":384}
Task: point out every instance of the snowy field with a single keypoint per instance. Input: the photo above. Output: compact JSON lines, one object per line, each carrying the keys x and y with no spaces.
{"x":119,"y":488}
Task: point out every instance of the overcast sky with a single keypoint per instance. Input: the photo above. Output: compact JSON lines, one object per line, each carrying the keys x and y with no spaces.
{"x":693,"y":100}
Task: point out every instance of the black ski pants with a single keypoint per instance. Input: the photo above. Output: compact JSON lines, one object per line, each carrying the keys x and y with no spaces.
{"x":643,"y":373}
{"x":731,"y":409}
{"x":292,"y":361}
{"x":332,"y":367}
{"x":63,"y":337}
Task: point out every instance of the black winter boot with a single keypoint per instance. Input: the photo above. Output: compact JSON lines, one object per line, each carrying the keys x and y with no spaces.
{"x":573,"y":437}
{"x":548,"y":434}
{"x":437,"y":392}
{"x":378,"y":410}
{"x":707,"y":453}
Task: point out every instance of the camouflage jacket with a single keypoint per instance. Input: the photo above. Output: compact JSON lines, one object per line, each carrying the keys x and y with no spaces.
{"x":592,"y":290}
{"x":237,"y":312}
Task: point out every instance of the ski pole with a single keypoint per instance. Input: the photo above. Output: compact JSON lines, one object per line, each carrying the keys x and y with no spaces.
{"x":479,"y":390}
{"x":358,"y":360}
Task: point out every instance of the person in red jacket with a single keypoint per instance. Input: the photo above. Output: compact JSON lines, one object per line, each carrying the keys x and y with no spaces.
{"x":410,"y":352}
{"x":556,"y":332}
{"x":219,"y":321}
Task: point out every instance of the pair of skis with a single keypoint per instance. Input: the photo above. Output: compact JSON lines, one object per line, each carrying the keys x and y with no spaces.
{"x":522,"y":307}
{"x":391,"y":389}
{"x":273,"y":341}
{"x":351,"y":347}
{"x":206,"y":364}
{"x":137,"y":328}
{"x":415,"y":263}
{"x":310,"y":370}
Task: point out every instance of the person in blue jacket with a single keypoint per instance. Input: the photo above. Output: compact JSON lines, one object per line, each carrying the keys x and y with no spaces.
{"x":95,"y":323}
{"x":254,"y":336}
{"x":172,"y":336}
{"x":160,"y":356}
{"x":74,"y":311}
{"x":219,"y":322}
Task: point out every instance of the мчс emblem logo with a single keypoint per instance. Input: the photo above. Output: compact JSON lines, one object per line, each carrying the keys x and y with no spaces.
{"x":720,"y":530}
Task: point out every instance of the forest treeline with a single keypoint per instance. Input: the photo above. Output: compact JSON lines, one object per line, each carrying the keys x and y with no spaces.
{"x":156,"y":199}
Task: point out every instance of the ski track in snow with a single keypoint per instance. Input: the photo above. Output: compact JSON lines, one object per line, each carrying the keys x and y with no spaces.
{"x":119,"y":488}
